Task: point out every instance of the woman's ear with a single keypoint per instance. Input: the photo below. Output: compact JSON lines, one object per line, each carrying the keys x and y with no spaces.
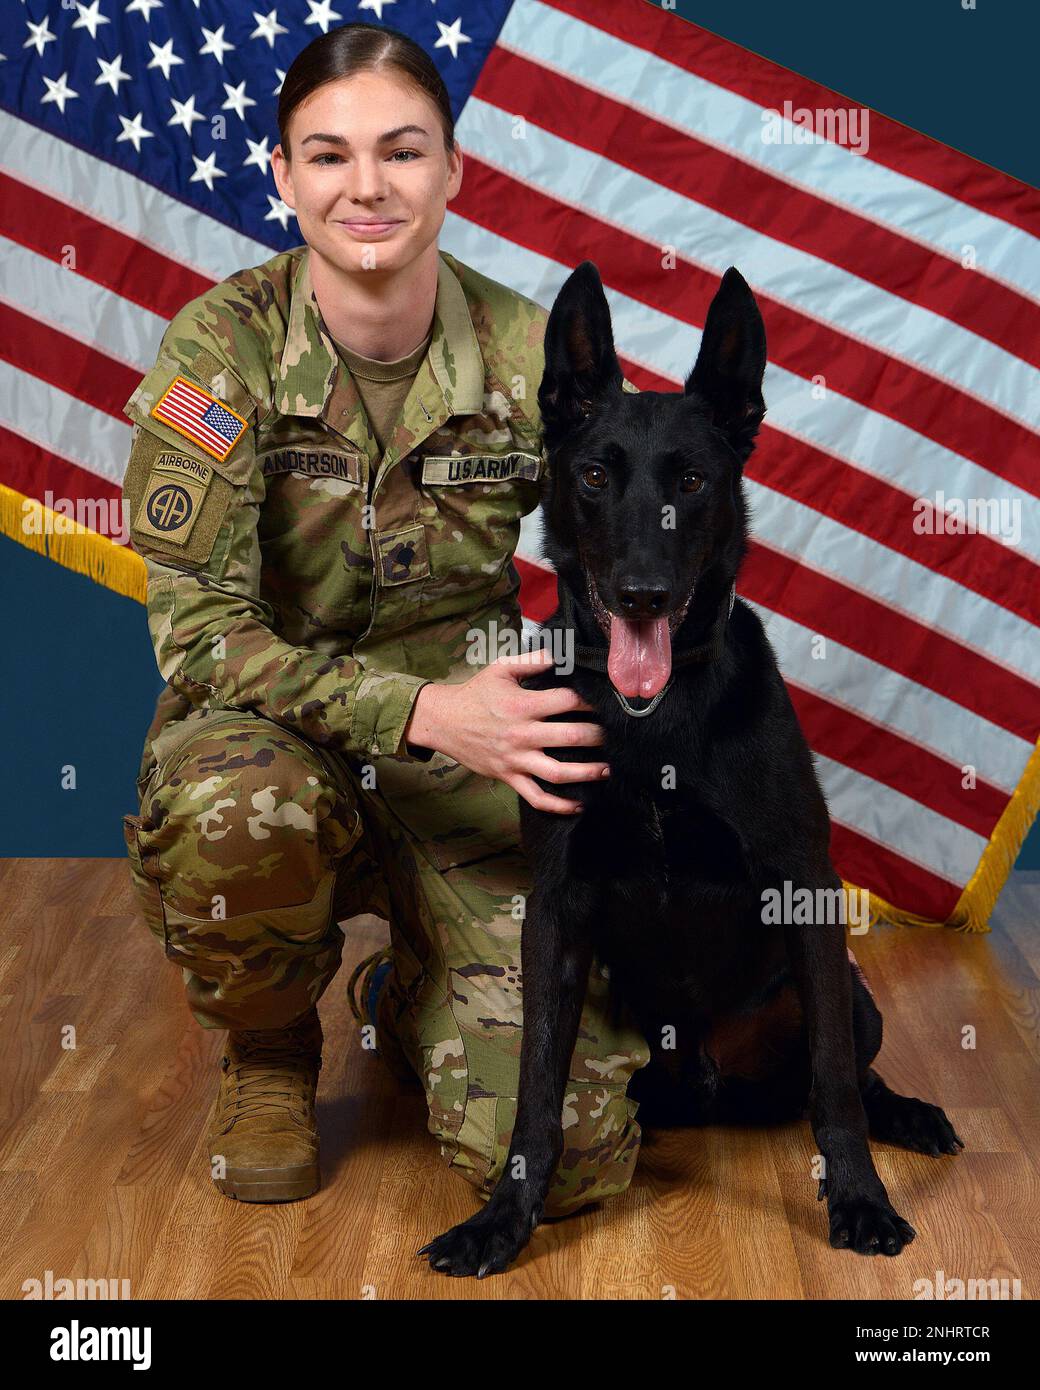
{"x":728,"y":372}
{"x":580,"y":361}
{"x":281,"y":168}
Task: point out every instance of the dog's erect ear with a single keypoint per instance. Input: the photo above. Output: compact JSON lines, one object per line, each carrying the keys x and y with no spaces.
{"x":729,"y":367}
{"x":580,"y":362}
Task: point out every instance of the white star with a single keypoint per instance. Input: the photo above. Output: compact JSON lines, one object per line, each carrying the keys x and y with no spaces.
{"x":322,"y":13}
{"x":216,"y":43}
{"x":281,"y":79}
{"x":376,"y":5}
{"x":164,"y":57}
{"x":206,"y":171}
{"x":59,"y":92}
{"x":258,"y":154}
{"x":280,"y":212}
{"x":237,"y":100}
{"x":184,"y":113}
{"x":451,"y":36}
{"x":144,"y":7}
{"x":39,"y":34}
{"x":112,"y":73}
{"x":267,"y":27}
{"x":90,"y":17}
{"x":133,"y":131}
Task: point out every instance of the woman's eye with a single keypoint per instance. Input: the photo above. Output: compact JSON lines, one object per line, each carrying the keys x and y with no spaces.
{"x":594,"y":476}
{"x":691,"y":482}
{"x":323,"y":158}
{"x":413,"y":153}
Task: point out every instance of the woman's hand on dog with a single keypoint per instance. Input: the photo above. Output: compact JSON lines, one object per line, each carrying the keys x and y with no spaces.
{"x":495,"y":727}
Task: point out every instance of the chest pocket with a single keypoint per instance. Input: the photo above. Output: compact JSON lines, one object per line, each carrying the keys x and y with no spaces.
{"x":471,"y":506}
{"x":317,"y":558}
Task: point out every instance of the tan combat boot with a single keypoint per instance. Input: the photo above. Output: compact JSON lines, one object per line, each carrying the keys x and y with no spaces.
{"x":264,"y":1127}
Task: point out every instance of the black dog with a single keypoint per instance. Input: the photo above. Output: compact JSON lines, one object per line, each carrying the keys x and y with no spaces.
{"x":712,"y":800}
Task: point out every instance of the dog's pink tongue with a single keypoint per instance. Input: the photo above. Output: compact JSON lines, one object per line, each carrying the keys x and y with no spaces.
{"x":640,"y":657}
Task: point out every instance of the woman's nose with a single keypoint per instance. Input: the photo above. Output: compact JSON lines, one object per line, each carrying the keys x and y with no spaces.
{"x":368,"y":178}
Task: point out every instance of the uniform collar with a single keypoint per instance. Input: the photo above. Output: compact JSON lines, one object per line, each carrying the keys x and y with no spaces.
{"x":310,"y":365}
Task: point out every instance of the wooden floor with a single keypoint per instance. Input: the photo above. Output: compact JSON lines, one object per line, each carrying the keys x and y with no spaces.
{"x":103,"y":1170}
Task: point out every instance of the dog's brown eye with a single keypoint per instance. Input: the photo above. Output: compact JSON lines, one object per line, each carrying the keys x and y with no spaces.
{"x":692,"y":482}
{"x":594,"y":476}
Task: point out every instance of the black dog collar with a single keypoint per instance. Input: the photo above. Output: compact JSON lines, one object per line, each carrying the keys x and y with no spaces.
{"x":595,"y":658}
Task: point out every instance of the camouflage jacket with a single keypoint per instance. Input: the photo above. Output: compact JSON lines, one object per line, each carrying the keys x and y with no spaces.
{"x":292,"y":570}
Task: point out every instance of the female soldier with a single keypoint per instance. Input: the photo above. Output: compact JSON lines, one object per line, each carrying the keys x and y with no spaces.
{"x":331,"y":459}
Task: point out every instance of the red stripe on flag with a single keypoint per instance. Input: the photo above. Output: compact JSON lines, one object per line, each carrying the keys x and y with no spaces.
{"x":65,"y":362}
{"x":104,"y":255}
{"x":934,"y":407}
{"x":846,"y":737}
{"x":537,"y":590}
{"x":749,"y":194}
{"x":863,"y":861}
{"x":762,"y":81}
{"x":33,"y":471}
{"x":825,"y":606}
{"x":875,"y":508}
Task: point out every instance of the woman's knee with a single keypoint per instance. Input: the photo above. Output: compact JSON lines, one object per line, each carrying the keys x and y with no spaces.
{"x":246,"y":819}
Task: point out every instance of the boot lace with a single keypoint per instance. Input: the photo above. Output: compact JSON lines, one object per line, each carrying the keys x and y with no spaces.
{"x":259,"y":1083}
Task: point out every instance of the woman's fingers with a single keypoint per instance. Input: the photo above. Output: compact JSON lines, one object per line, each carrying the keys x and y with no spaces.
{"x":542,"y":801}
{"x":552,"y":770}
{"x":545,"y":735}
{"x":561,"y":699}
{"x":525,"y":663}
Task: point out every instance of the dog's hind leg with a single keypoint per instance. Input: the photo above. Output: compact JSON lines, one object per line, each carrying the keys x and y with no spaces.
{"x":894,"y":1119}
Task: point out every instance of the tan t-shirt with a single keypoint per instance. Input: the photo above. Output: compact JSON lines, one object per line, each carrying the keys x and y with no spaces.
{"x":384,"y":386}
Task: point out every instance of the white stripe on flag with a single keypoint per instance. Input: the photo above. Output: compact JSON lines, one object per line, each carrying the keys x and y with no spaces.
{"x":811,"y":286}
{"x":734,"y":125}
{"x":88,"y":312}
{"x":883,"y":696}
{"x":120,"y":200}
{"x":893,"y":579}
{"x":56,"y":421}
{"x":872,"y":808}
{"x":879,"y":445}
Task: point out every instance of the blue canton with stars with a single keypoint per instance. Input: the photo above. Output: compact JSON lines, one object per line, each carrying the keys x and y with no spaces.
{"x":140,"y":83}
{"x":221,"y":420}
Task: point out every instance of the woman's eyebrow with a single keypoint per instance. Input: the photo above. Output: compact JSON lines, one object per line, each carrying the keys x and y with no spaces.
{"x":382,"y":139}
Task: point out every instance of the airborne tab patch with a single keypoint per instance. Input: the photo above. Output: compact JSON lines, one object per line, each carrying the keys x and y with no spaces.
{"x":481,"y":468}
{"x":206,"y":421}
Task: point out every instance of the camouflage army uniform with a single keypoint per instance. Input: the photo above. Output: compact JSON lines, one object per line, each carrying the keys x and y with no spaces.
{"x":278,"y":795}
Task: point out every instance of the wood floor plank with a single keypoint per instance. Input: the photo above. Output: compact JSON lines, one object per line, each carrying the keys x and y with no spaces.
{"x":104,"y":1170}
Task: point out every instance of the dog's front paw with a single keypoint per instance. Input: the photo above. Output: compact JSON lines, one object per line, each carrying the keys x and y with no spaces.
{"x":485,"y":1244}
{"x":868,"y":1225}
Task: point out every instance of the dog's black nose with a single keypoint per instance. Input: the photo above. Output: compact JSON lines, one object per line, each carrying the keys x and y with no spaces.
{"x":643,"y":602}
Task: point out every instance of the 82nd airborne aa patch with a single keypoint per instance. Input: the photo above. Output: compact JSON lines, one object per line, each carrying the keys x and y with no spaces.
{"x":173,"y":497}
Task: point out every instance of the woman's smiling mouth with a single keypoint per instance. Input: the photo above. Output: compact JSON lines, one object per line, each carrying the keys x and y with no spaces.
{"x":360,"y":227}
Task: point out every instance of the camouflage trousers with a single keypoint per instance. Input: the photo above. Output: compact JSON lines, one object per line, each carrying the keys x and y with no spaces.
{"x":252,"y":845}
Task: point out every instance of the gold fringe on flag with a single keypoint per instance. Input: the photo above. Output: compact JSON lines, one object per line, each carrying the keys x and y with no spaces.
{"x":120,"y":569}
{"x":76,"y":547}
{"x":975,"y":905}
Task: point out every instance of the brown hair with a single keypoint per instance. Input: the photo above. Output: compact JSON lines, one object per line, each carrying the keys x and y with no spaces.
{"x":354,"y":48}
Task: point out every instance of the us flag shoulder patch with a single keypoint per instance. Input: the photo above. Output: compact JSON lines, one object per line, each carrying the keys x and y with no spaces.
{"x":200,"y":417}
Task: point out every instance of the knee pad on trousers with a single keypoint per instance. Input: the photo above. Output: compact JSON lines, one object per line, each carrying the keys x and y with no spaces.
{"x":235,"y":860}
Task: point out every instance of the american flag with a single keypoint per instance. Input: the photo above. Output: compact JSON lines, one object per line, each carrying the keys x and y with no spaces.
{"x":200,"y":417}
{"x":893,"y":494}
